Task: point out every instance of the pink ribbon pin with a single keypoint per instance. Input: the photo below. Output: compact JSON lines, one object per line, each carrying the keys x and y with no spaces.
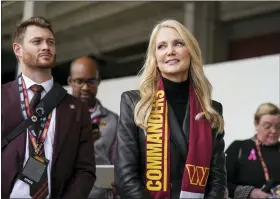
{"x":252,"y":155}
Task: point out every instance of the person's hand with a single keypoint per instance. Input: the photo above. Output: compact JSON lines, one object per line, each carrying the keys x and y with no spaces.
{"x":226,"y":194}
{"x":114,"y":187}
{"x":258,"y":193}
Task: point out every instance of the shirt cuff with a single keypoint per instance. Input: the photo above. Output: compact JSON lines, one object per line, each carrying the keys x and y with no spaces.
{"x":243,"y":191}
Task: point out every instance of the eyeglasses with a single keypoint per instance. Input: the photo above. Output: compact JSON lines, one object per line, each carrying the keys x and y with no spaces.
{"x":269,"y":126}
{"x":81,"y":82}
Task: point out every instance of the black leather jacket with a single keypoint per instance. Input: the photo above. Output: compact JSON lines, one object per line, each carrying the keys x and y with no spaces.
{"x":130,"y":157}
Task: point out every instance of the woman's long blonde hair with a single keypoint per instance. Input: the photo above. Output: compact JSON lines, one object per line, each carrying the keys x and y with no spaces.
{"x":150,"y":77}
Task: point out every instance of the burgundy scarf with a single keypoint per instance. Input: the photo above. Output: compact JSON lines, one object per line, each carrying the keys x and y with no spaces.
{"x":158,"y":160}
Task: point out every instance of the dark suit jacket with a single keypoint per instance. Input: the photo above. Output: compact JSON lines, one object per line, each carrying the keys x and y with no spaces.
{"x":131,"y":154}
{"x":73,"y":162}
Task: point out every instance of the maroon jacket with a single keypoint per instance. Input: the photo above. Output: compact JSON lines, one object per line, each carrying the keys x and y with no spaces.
{"x":73,"y":163}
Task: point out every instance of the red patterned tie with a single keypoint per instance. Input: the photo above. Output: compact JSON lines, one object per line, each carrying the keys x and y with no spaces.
{"x":39,"y":190}
{"x":37,"y":89}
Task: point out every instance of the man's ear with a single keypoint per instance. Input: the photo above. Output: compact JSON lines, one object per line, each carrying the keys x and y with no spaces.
{"x":17,"y":49}
{"x":69,"y":80}
{"x":257,"y":126}
{"x":99,"y":79}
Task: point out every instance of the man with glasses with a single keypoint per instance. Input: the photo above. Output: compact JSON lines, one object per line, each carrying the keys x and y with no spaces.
{"x":84,"y":80}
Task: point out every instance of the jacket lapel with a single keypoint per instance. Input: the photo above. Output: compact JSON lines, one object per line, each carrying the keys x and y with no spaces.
{"x":65,"y":113}
{"x":11,"y":117}
{"x":13,"y":106}
{"x":186,"y":123}
{"x":176,"y":133}
{"x":99,"y":111}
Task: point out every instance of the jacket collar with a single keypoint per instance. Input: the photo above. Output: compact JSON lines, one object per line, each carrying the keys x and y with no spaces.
{"x":177,"y":134}
{"x":98,"y":110}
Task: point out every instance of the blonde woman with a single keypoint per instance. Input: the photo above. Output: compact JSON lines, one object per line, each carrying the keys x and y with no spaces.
{"x":170,"y":134}
{"x":253,"y":164}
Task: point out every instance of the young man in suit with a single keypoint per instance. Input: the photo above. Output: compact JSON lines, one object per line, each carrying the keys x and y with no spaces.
{"x":65,"y":136}
{"x":84,"y":80}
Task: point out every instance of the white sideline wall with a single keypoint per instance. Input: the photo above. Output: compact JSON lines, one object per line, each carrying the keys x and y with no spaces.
{"x":241,"y":86}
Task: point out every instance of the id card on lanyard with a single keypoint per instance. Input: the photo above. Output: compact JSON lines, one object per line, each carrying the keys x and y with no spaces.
{"x":36,"y":164}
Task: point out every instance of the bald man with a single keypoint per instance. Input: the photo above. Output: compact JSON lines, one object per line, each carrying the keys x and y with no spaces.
{"x":84,"y":80}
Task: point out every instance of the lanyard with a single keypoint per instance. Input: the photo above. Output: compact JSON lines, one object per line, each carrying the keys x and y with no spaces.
{"x":37,"y":141}
{"x":266,"y":174}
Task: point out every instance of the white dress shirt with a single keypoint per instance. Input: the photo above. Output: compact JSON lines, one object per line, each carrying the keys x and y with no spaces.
{"x":21,"y":189}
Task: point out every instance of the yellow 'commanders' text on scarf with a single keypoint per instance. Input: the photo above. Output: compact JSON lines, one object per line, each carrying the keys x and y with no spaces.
{"x":158,"y":150}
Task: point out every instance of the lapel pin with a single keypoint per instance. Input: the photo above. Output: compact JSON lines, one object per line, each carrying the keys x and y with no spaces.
{"x":72,"y":106}
{"x":102,"y":123}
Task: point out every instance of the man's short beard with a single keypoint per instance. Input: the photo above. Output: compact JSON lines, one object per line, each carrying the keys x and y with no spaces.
{"x":31,"y":61}
{"x":90,"y":102}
